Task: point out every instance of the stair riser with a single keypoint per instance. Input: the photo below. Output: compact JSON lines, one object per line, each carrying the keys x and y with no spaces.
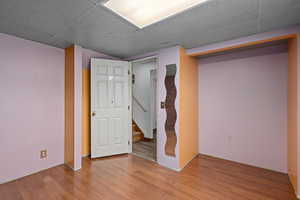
{"x":135,"y":129}
{"x":137,"y":138}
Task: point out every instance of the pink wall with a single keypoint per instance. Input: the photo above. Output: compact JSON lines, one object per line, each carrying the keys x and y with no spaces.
{"x":243,"y":107}
{"x":31,"y":107}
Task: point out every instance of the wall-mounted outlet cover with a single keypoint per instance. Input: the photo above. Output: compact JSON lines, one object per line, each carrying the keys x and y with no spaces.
{"x":43,"y":154}
{"x":162,"y":105}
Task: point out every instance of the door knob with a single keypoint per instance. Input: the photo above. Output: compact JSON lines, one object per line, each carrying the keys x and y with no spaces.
{"x":93,"y":114}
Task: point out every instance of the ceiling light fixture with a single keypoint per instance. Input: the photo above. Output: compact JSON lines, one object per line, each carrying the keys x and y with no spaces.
{"x":143,"y":13}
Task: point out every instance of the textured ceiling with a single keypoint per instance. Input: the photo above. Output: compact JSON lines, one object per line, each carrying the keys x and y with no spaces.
{"x":87,"y":23}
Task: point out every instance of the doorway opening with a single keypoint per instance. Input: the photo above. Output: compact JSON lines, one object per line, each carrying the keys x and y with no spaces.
{"x":144,"y":129}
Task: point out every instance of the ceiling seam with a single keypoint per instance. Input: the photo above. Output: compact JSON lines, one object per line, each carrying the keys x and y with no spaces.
{"x":259,"y":10}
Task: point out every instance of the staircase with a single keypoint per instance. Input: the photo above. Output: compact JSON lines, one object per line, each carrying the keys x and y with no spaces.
{"x":137,"y":134}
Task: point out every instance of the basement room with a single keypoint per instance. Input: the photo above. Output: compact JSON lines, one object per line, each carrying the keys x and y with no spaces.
{"x":150,"y":99}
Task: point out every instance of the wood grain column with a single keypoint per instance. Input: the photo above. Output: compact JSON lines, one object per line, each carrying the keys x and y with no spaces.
{"x":188,"y":111}
{"x":73,"y":85}
{"x":293,"y":112}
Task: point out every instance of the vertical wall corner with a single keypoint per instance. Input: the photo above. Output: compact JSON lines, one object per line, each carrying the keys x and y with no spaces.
{"x":186,"y":105}
{"x":188,"y":111}
{"x":73,"y":93}
{"x":293,"y":106}
{"x":167,"y":57}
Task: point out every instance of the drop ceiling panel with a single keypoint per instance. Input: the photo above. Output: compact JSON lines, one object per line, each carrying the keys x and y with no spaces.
{"x":25,"y":32}
{"x":50,"y":16}
{"x":104,"y":21}
{"x":90,"y":39}
{"x":65,"y":14}
{"x":87,"y":23}
{"x":279,"y":13}
{"x":6,"y":7}
{"x":100,"y":30}
{"x":210,"y":22}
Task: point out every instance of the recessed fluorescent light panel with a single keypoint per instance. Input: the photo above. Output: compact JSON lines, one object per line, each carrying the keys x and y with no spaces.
{"x":142,"y":13}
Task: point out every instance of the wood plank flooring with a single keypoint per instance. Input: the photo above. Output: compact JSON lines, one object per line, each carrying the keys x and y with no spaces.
{"x":145,"y":149}
{"x":129,"y":177}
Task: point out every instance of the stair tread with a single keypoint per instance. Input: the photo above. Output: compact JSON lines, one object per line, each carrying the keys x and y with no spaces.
{"x":136,"y":133}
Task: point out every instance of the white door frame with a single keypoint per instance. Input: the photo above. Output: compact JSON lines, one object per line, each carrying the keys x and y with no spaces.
{"x":153,"y":102}
{"x":130,"y":96}
{"x":130,"y":108}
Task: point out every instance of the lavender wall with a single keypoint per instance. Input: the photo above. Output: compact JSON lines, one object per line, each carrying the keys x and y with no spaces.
{"x":31,"y":107}
{"x":165,"y":57}
{"x":243,"y":107}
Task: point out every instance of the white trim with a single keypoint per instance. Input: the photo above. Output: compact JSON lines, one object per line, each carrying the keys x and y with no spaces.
{"x":176,"y":169}
{"x":35,"y":172}
{"x":130,"y":104}
{"x":153,"y":99}
{"x":140,"y":56}
{"x":179,"y":169}
{"x":156,"y":109}
{"x":168,"y":167}
{"x":77,"y":106}
{"x":76,"y":169}
{"x":144,"y":59}
{"x":130,"y":100}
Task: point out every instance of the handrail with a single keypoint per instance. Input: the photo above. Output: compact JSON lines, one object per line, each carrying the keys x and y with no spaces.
{"x":140,"y":105}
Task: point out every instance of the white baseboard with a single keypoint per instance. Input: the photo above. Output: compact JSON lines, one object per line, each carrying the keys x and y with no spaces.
{"x":175,"y":169}
{"x":178,"y":169}
{"x":168,"y":167}
{"x":76,"y":169}
{"x":30,"y":173}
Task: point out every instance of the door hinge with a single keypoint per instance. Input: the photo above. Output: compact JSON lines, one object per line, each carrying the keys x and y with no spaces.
{"x":128,"y":107}
{"x":133,"y":78}
{"x":128,"y":72}
{"x":128,"y":142}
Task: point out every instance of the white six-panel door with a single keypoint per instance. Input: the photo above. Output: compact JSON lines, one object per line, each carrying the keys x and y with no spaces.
{"x":109,"y":107}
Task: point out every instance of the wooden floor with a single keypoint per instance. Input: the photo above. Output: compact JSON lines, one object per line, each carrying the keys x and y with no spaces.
{"x":132,"y":178}
{"x":145,"y":149}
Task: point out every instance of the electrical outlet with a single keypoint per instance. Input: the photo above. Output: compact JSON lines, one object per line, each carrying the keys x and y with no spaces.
{"x":43,"y":154}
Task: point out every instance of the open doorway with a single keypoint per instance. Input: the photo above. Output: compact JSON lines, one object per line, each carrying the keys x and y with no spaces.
{"x":144,"y":85}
